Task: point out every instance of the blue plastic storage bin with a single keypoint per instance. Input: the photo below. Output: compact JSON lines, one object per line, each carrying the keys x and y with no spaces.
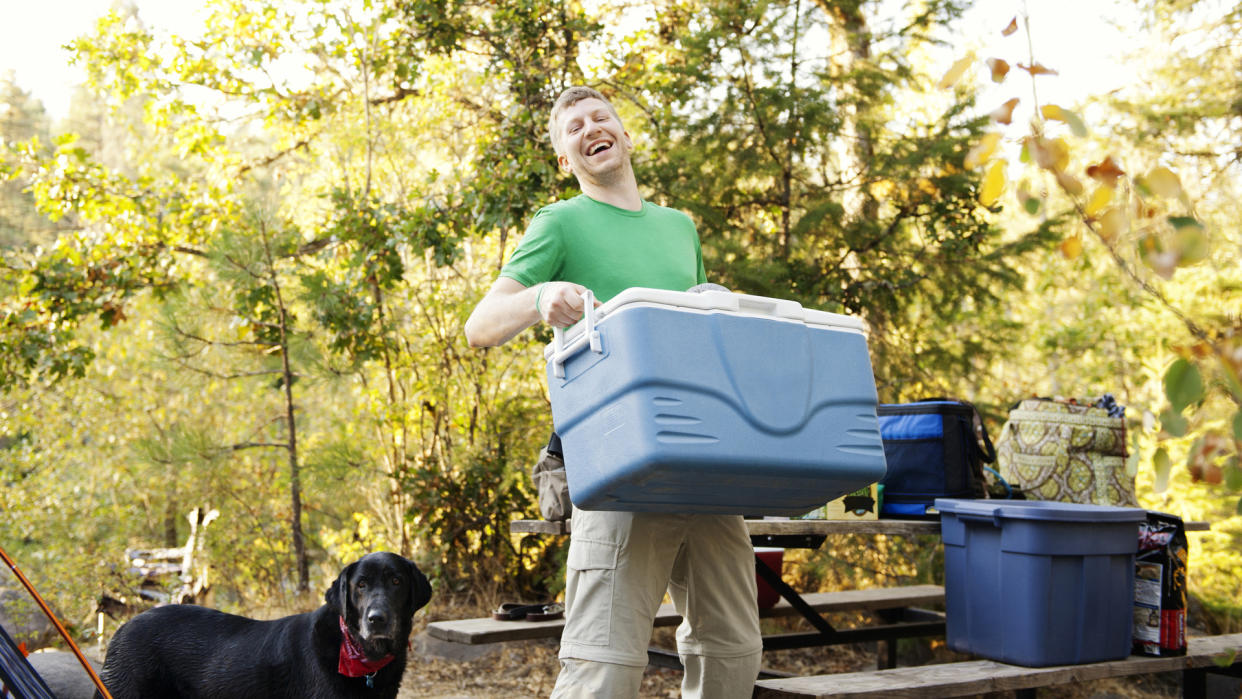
{"x":1038,"y":583}
{"x":714,"y":402}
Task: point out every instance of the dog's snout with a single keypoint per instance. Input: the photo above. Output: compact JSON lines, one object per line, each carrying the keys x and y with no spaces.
{"x":376,"y":617}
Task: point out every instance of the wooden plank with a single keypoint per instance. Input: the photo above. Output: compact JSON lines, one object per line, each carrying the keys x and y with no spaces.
{"x":758,"y":527}
{"x":829,"y":527}
{"x":870,"y":599}
{"x":981,"y":676}
{"x":488,"y":630}
{"x":538,"y":526}
{"x":798,"y":527}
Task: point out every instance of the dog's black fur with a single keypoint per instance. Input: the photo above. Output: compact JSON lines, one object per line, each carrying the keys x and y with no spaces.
{"x":187,"y":651}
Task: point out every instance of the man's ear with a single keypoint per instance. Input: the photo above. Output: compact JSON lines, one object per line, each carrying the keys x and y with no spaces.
{"x":337,"y":596}
{"x":563,"y":161}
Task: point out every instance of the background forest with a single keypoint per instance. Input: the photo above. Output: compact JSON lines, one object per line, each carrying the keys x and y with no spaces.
{"x":235,"y":277}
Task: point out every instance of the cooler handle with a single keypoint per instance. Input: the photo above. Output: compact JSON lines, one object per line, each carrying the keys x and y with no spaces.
{"x":976,"y":513}
{"x":777,"y":308}
{"x":589,"y":335}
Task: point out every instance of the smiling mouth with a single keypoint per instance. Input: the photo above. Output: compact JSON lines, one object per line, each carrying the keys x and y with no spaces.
{"x":598,"y":148}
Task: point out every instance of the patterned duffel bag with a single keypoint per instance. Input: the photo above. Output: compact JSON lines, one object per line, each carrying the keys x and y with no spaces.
{"x":1065,"y":451}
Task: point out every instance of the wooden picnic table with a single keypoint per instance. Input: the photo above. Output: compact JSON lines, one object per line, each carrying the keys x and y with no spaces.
{"x":772,"y":526}
{"x":900,"y":622}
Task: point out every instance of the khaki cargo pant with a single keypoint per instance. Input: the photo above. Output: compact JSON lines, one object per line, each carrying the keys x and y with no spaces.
{"x":620,"y":564}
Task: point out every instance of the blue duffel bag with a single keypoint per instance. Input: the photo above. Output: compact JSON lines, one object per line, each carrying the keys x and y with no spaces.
{"x":933,"y":450}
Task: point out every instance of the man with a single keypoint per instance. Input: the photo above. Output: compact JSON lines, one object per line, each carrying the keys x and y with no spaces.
{"x":620,"y":563}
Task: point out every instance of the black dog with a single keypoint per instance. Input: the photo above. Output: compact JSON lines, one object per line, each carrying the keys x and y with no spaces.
{"x":353,"y":646}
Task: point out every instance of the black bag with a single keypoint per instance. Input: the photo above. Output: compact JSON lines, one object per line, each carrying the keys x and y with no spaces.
{"x":932,"y":452}
{"x":1160,"y":586}
{"x":551,"y":483}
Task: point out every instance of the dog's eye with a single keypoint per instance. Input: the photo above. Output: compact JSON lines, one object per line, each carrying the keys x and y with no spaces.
{"x":396,"y":581}
{"x":361,"y":584}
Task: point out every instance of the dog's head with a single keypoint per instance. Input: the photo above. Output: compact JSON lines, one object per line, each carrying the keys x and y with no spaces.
{"x":377,"y":596}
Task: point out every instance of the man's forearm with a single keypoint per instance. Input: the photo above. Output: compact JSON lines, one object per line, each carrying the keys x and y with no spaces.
{"x":503,"y":313}
{"x":509,"y":308}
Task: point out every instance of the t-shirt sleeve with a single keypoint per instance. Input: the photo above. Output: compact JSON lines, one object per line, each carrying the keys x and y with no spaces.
{"x":700,"y":272}
{"x":698,"y":254}
{"x":540,"y":254}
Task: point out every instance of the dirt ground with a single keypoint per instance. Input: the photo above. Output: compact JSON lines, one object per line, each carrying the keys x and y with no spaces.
{"x":528,"y":669}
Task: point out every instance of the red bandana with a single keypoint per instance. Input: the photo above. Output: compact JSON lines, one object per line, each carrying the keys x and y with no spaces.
{"x":353,"y":662}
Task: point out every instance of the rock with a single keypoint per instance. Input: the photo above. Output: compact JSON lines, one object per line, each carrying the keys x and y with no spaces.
{"x":21,"y":617}
{"x":64,"y":674}
{"x":424,"y":644}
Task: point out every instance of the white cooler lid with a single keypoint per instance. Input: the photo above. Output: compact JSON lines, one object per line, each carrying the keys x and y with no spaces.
{"x":716,"y":302}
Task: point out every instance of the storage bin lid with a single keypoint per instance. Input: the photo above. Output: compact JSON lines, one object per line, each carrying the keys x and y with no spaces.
{"x":1044,"y":510}
{"x":718,"y":302}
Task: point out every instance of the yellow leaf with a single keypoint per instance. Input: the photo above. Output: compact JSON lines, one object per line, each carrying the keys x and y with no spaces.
{"x":1061,"y":151}
{"x":999,"y":68}
{"x":882,"y":189}
{"x":1162,"y":182}
{"x":1113,"y":223}
{"x":1071,"y":247}
{"x":1037,"y":69}
{"x":993,"y":183}
{"x":1004,"y":113}
{"x":1053,"y":112}
{"x":1106,"y":171}
{"x":1050,"y":154}
{"x":1162,"y":263}
{"x":1011,"y":27}
{"x":1191,"y":245}
{"x":956,"y":71}
{"x":982,"y":152}
{"x":1069,"y":183}
{"x":1100,"y":198}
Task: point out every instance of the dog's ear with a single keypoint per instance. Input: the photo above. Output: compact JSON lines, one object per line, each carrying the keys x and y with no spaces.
{"x":420,"y":588}
{"x":337,"y":595}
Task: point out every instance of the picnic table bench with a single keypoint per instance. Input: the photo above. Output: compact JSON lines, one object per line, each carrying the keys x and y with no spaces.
{"x":489,"y":630}
{"x":1204,"y":654}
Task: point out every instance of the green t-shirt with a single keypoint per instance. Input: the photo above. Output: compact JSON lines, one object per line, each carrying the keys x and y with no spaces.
{"x":607,"y":249}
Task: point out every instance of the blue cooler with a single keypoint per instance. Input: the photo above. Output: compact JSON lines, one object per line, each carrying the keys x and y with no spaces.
{"x":1038,"y":583}
{"x":714,"y":402}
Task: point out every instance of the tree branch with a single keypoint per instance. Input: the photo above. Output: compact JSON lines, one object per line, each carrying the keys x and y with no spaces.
{"x":257,"y":445}
{"x":264,"y":162}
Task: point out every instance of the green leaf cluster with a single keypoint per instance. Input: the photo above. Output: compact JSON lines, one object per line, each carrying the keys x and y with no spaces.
{"x":264,"y":257}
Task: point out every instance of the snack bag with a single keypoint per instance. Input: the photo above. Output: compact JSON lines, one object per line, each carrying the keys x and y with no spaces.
{"x":1160,"y":586}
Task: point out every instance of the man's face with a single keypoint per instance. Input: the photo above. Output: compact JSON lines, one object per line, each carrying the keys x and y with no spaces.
{"x":593,"y":143}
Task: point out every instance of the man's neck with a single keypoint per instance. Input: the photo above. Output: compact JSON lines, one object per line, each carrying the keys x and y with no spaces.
{"x":620,"y":191}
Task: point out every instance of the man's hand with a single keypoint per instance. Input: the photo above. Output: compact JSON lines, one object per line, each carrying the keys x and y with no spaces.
{"x":509,"y":308}
{"x":560,"y":303}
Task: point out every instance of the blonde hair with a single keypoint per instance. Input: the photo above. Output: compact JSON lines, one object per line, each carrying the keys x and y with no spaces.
{"x":569,"y":98}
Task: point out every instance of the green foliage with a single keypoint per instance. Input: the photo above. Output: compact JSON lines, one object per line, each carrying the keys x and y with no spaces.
{"x":1160,"y":288}
{"x":269,"y":236}
{"x":1183,"y":384}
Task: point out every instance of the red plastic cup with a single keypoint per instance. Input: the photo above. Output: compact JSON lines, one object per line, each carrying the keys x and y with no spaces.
{"x":774,"y":558}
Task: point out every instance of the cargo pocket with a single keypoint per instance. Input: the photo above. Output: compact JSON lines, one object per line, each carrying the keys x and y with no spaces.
{"x":592,"y":572}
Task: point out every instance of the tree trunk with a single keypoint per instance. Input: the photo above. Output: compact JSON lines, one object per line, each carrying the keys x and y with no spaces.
{"x":295,"y":476}
{"x":850,"y":26}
